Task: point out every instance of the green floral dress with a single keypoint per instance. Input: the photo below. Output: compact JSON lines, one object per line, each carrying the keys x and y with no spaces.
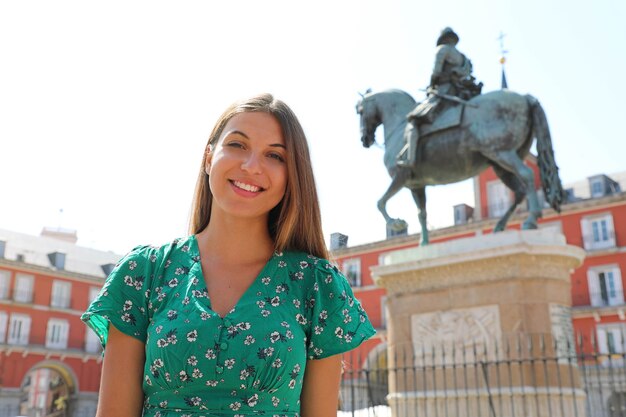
{"x":250,"y":362}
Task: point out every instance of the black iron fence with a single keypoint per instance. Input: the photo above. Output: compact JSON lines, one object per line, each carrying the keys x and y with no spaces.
{"x":512,"y":377}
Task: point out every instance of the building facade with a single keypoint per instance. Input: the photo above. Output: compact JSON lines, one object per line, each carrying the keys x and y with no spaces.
{"x":49,"y":361}
{"x":593,"y":218}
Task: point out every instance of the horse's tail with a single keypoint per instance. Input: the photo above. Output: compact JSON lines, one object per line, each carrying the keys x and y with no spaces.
{"x":548,"y":170}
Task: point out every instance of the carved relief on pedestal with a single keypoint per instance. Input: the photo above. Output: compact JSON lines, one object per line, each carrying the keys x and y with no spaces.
{"x":456,"y":336}
{"x":562,"y":332}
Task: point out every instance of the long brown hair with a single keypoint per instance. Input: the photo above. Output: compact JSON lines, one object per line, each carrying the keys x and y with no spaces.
{"x":295,"y":223}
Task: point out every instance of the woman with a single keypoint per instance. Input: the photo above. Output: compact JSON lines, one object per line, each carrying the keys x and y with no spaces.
{"x":245,"y":316}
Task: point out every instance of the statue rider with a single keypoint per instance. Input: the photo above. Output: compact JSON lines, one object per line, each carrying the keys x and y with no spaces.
{"x":452,"y":76}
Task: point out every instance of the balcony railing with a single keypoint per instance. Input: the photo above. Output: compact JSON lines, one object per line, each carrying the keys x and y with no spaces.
{"x":599,"y":299}
{"x":22,"y":296}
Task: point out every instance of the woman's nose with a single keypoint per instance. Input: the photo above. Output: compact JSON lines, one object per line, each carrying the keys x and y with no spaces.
{"x":252,"y":163}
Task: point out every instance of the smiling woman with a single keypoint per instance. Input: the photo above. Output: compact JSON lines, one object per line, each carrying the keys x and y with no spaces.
{"x":186,"y":324}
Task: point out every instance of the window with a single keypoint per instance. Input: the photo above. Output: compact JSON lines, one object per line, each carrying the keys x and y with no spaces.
{"x":56,"y":335}
{"x":5,"y":283}
{"x":498,"y":198}
{"x":610,"y":338}
{"x":4,"y":318}
{"x":92,"y":342}
{"x":598,"y":232}
{"x":23,"y":291}
{"x":605,"y":286}
{"x":93,"y":293}
{"x":597,"y":188}
{"x":61,"y":291}
{"x":19,"y":329}
{"x":383,"y":312}
{"x":352,"y":271}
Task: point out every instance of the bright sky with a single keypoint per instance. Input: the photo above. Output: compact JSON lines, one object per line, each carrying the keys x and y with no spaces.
{"x":105,"y":107}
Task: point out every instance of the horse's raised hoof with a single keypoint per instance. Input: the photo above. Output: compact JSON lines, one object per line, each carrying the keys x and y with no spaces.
{"x":397,"y":225}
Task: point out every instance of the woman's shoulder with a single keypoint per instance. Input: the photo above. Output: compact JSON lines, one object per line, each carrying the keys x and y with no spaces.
{"x":151,"y":253}
{"x":304,"y":260}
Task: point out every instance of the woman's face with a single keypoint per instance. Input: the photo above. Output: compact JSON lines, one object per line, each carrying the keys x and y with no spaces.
{"x":247,"y":167}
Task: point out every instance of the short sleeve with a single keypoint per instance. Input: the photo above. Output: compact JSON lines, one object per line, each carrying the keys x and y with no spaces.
{"x":123,"y":300}
{"x":338,"y":321}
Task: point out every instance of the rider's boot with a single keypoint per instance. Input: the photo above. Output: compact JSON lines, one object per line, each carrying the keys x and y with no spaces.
{"x":410,"y":156}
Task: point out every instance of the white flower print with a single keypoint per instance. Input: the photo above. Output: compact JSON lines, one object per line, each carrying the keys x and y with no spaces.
{"x":210,"y":354}
{"x":266,"y":280}
{"x":339,"y":332}
{"x":249,"y":340}
{"x":163,"y":404}
{"x":301,"y":319}
{"x":185,"y":301}
{"x":211,"y":383}
{"x":260,"y":303}
{"x":205,"y":316}
{"x":183,"y":376}
{"x":284,"y":324}
{"x":172,"y":315}
{"x":158,"y":329}
{"x":132,"y":265}
{"x":229,"y":363}
{"x":196,"y":373}
{"x":265,"y":313}
{"x":277,"y":363}
{"x":192,"y":336}
{"x":252,"y":401}
{"x":192,"y":360}
{"x":275,"y":302}
{"x":128,"y":305}
{"x":235,"y":406}
{"x":304,"y":264}
{"x":296,"y":303}
{"x":318,"y":329}
{"x":173,"y":282}
{"x":275,"y":401}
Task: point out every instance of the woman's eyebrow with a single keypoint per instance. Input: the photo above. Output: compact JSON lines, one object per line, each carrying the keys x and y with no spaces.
{"x":239,"y":132}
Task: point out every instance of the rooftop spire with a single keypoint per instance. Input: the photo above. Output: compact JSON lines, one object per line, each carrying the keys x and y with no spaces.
{"x":503,"y":53}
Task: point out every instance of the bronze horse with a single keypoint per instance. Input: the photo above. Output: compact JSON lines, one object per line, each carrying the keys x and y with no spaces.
{"x":497,"y":130}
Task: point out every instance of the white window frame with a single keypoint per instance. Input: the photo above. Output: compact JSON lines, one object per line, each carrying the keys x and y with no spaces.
{"x":93,"y":293}
{"x":23,"y":291}
{"x":498,"y":198}
{"x":5,"y":284}
{"x":605,"y":285}
{"x":4,"y":319}
{"x":610,"y":338}
{"x":19,"y":329}
{"x":61,"y":294}
{"x":351,"y":268}
{"x":598,"y":231}
{"x":383,"y":312}
{"x":57,"y":333}
{"x":92,"y":341}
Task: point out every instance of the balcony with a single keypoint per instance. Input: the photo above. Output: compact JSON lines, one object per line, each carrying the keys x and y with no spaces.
{"x":599,"y":299}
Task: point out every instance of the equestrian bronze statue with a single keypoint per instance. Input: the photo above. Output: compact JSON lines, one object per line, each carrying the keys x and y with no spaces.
{"x":496,"y":129}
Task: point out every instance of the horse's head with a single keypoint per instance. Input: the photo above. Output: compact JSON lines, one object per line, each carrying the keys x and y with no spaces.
{"x":369,"y":118}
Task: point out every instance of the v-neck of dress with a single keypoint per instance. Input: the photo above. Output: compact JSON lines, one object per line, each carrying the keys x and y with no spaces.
{"x":195,"y":250}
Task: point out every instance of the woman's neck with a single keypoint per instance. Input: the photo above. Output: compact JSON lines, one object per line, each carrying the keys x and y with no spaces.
{"x":236,"y":241}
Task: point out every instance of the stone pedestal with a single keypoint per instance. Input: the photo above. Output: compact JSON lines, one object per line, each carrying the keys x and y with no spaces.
{"x":482,"y":326}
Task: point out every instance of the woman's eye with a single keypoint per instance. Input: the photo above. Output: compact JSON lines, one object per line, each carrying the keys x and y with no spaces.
{"x":276,"y":156}
{"x":234,"y":144}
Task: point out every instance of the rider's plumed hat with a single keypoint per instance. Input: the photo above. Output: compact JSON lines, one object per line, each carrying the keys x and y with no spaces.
{"x":447,"y":34}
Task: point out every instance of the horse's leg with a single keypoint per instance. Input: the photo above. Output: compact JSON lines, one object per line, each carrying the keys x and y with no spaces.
{"x":419,"y":195}
{"x":517,"y":187}
{"x":397,"y":182}
{"x":511,"y":162}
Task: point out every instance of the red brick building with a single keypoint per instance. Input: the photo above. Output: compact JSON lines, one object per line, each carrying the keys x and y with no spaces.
{"x":49,"y":362}
{"x":594,"y":218}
